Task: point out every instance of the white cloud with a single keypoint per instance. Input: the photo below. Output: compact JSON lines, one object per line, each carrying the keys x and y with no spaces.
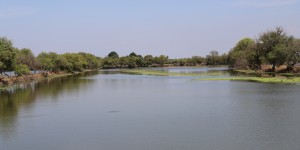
{"x":265,"y":3}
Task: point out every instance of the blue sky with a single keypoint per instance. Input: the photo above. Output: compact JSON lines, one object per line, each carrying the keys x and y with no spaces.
{"x":178,"y":28}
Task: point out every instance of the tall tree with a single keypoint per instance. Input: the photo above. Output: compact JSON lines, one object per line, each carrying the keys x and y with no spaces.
{"x":7,"y":54}
{"x":239,"y":56}
{"x":133,"y":54}
{"x":92,"y":61}
{"x":113,"y":54}
{"x":76,"y":61}
{"x":273,"y":46}
{"x":293,"y":54}
{"x":148,"y":60}
{"x":212,"y":58}
{"x":161,"y":60}
{"x":26,"y":57}
{"x":47,"y":61}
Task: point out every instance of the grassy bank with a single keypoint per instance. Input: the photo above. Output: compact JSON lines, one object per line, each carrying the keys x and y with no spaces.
{"x":167,"y":73}
{"x":218,"y":75}
{"x":274,"y":80}
{"x":261,"y":72}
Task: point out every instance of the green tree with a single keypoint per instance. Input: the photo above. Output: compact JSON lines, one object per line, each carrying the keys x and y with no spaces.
{"x":273,"y":46}
{"x":133,"y":54}
{"x":212,"y":58}
{"x":113,"y":54}
{"x":110,"y":62}
{"x":293,"y":54}
{"x":26,"y":57}
{"x":62,"y":64}
{"x":223,"y":59}
{"x":198,"y":59}
{"x":140,"y":62}
{"x":47,"y":61}
{"x":148,"y":60}
{"x":76,"y":62}
{"x":240,"y":55}
{"x":123,"y":61}
{"x":21,"y":69}
{"x":92,"y":61}
{"x":7,"y":55}
{"x":131,"y":61}
{"x":161,"y":60}
{"x":182,"y":62}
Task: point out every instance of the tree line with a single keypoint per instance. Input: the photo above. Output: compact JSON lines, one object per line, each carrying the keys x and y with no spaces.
{"x":22,"y":61}
{"x":133,"y":60}
{"x":273,"y":48}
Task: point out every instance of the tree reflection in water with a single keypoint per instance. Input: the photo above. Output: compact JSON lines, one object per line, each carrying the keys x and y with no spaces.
{"x":23,"y":96}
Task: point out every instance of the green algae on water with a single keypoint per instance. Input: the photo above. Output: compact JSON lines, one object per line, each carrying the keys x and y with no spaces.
{"x":274,"y":80}
{"x":167,"y":73}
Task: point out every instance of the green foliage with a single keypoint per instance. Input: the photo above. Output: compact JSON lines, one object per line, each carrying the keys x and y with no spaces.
{"x":123,"y":61}
{"x":25,"y":56}
{"x":167,"y":73}
{"x":62,"y":64}
{"x":110,"y":62}
{"x":240,"y":56}
{"x":243,"y":45}
{"x":133,"y":54}
{"x":148,"y":59}
{"x":161,"y":60}
{"x":76,"y":62}
{"x":21,"y":69}
{"x":278,"y":55}
{"x":47,"y":61}
{"x":273,"y":46}
{"x":131,"y":61}
{"x":113,"y":54}
{"x":92,"y":61}
{"x":212,"y":58}
{"x":7,"y":54}
{"x":293,"y":55}
{"x":272,"y":80}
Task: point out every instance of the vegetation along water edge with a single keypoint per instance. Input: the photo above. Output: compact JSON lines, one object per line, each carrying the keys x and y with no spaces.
{"x":273,"y":52}
{"x":273,"y":80}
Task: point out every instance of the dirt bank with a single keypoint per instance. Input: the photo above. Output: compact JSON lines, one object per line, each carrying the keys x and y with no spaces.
{"x":7,"y":81}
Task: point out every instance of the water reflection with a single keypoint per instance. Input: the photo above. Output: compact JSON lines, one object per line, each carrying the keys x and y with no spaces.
{"x":24,"y":96}
{"x":120,"y":111}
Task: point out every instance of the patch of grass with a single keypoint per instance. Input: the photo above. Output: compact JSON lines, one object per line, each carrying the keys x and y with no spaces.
{"x":274,"y":80}
{"x":58,"y":75}
{"x":166,"y":73}
{"x":145,"y":72}
{"x":269,"y":73}
{"x":246,"y":71}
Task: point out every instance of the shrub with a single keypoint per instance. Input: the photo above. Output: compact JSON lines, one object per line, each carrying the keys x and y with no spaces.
{"x":21,"y":69}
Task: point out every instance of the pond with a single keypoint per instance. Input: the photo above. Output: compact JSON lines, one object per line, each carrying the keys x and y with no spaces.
{"x":109,"y":110}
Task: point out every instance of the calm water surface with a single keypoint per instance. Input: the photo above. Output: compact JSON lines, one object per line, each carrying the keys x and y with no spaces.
{"x":112,"y":111}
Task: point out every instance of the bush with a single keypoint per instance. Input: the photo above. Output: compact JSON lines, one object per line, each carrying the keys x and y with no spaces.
{"x":21,"y":69}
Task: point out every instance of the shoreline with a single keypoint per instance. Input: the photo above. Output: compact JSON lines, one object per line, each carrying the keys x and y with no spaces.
{"x":263,"y":72}
{"x":9,"y":82}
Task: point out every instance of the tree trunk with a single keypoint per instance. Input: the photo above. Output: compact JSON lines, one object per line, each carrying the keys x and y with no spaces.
{"x":273,"y":67}
{"x":290,"y":68}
